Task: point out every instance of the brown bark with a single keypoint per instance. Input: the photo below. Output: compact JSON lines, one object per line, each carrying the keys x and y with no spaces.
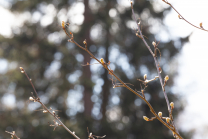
{"x":107,"y":82}
{"x":88,"y":18}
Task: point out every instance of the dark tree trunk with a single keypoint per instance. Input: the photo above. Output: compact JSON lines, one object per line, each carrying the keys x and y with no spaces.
{"x":86,"y":72}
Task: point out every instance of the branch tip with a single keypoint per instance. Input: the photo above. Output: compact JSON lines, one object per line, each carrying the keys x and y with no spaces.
{"x":172,"y":105}
{"x":145,"y":118}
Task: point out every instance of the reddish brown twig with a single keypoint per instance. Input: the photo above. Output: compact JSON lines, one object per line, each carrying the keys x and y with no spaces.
{"x":57,"y":121}
{"x":105,"y":65}
{"x":181,"y":17}
{"x":12,"y":134}
{"x":90,"y":136}
{"x":172,"y":128}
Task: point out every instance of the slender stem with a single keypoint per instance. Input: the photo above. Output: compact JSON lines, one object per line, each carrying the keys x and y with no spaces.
{"x":12,"y":134}
{"x":181,"y":17}
{"x":158,"y":71}
{"x":156,"y":63}
{"x":45,"y":108}
{"x":124,"y":85}
{"x":31,"y":83}
{"x":58,"y":120}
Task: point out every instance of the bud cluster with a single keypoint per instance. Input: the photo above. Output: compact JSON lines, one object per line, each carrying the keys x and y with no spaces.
{"x":22,"y":70}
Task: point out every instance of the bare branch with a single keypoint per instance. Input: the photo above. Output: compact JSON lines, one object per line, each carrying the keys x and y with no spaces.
{"x":45,"y":109}
{"x":105,"y":65}
{"x":12,"y":134}
{"x":173,"y":129}
{"x":181,"y":17}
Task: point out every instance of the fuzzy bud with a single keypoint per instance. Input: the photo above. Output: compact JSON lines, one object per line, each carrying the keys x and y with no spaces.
{"x":160,"y":114}
{"x":102,"y":60}
{"x":31,"y":98}
{"x":56,"y":123}
{"x":45,"y":111}
{"x":166,"y":78}
{"x":168,"y":120}
{"x":85,"y":42}
{"x":154,"y":43}
{"x":21,"y":68}
{"x":22,"y":71}
{"x":63,"y":24}
{"x":201,"y":25}
{"x":146,"y":118}
{"x":145,"y":77}
{"x":172,"y":105}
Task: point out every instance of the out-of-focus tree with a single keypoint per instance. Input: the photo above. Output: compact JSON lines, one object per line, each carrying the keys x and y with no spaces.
{"x":84,"y":94}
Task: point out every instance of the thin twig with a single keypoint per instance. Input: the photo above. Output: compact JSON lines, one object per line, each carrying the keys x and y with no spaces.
{"x":12,"y":134}
{"x":90,"y":136}
{"x":37,"y":99}
{"x":181,"y":17}
{"x":105,"y":65}
{"x":158,"y":71}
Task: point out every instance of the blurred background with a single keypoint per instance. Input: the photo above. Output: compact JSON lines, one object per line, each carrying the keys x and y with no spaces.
{"x":31,"y":36}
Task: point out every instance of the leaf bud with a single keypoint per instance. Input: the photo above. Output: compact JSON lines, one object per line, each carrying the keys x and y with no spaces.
{"x":85,"y":42}
{"x":154,"y":43}
{"x":168,"y":120}
{"x":102,"y":60}
{"x":145,"y":77}
{"x":172,"y":105}
{"x":63,"y":24}
{"x":31,"y":98}
{"x":201,"y":25}
{"x":45,"y":111}
{"x":146,"y":118}
{"x":160,"y":114}
{"x":166,"y":78}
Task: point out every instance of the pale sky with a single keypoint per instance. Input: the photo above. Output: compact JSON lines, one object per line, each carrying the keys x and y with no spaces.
{"x":191,"y":83}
